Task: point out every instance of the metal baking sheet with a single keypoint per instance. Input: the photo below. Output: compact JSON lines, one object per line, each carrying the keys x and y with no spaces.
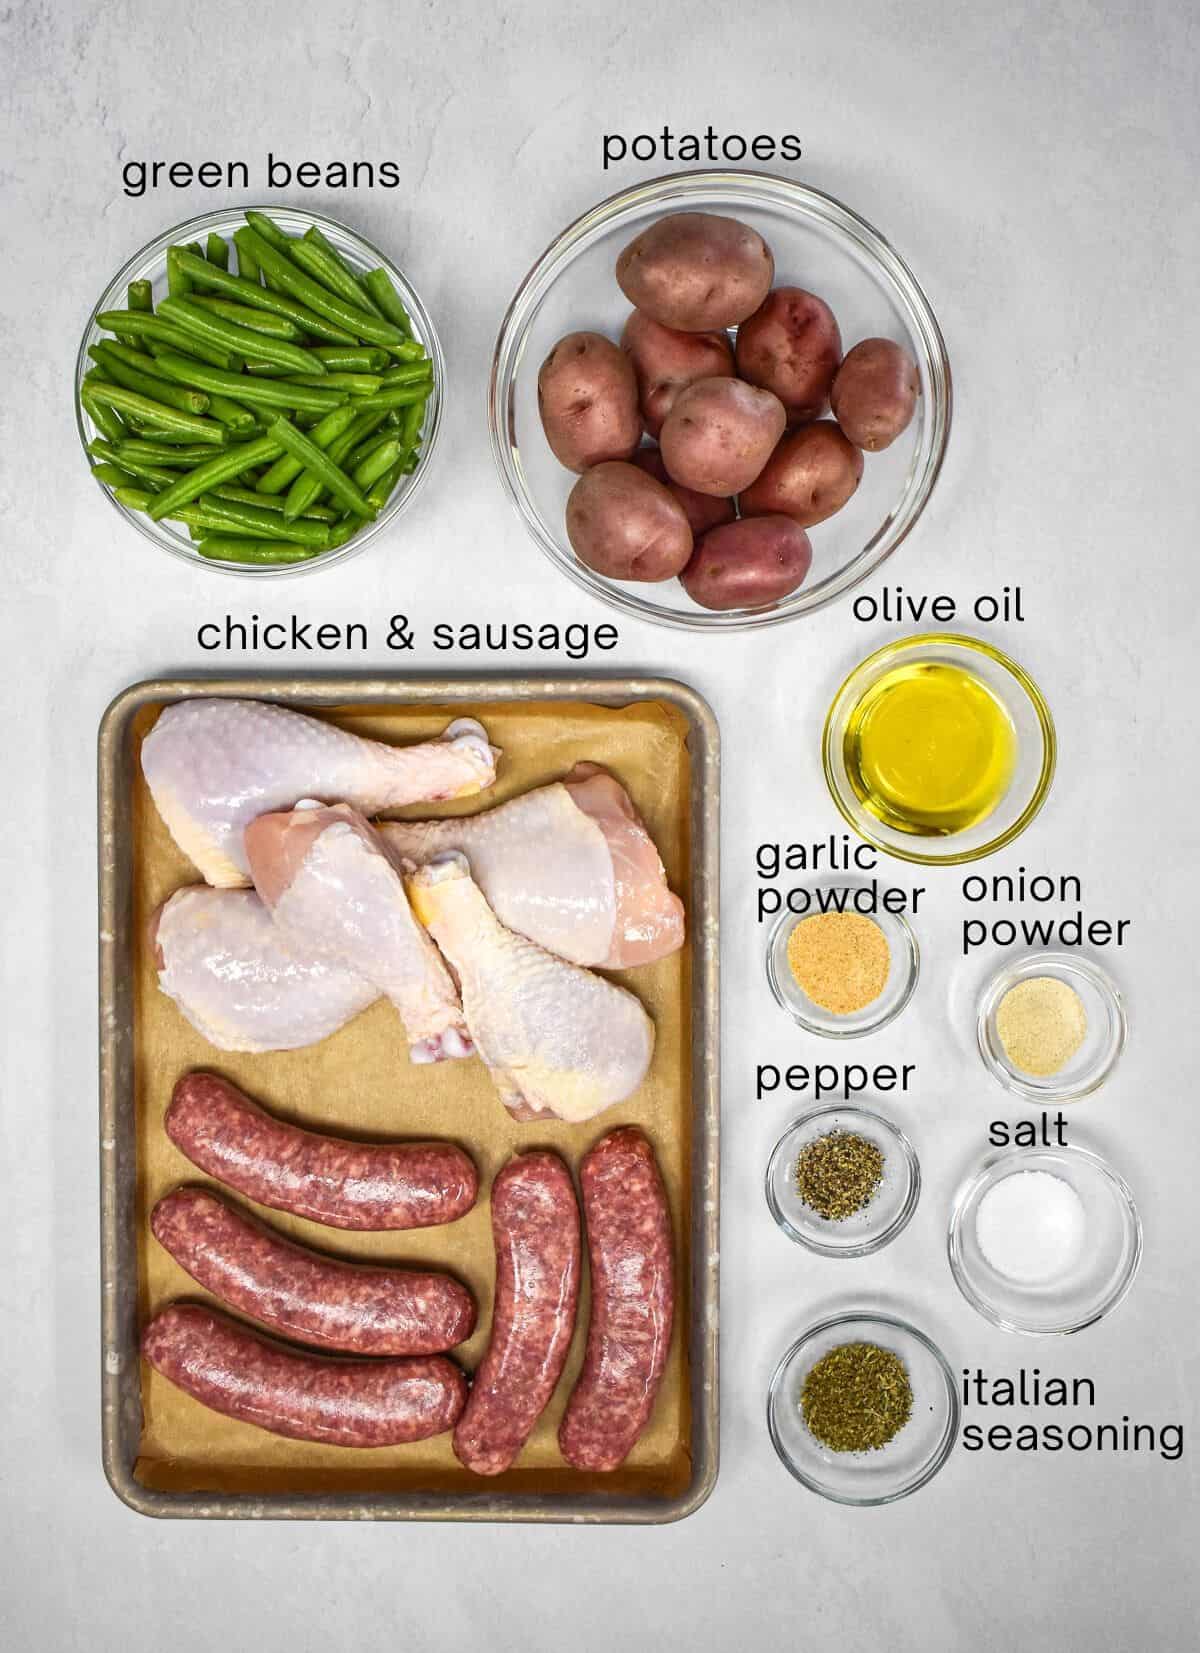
{"x":121,"y":1214}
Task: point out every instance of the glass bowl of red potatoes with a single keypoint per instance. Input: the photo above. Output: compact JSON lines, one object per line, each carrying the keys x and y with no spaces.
{"x":719,"y":400}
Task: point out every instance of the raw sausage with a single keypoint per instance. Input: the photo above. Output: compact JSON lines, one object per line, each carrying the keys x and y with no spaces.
{"x":233,"y":1370}
{"x":535,"y":1227}
{"x":357,"y":1307}
{"x":359,"y":1185}
{"x":633,"y":1300}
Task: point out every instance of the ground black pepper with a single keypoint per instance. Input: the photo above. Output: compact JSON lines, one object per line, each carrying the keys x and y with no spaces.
{"x":838,"y":1174}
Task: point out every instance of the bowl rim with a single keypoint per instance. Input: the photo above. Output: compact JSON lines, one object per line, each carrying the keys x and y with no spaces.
{"x":536,"y":282}
{"x":949,"y":1435}
{"x":912,"y":956}
{"x":401,"y":498}
{"x":912,"y":1191}
{"x":970,"y":1187}
{"x":1009,"y":975}
{"x":897,"y":647}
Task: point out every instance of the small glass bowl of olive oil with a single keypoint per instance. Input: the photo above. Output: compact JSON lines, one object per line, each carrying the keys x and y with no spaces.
{"x":939,"y":749}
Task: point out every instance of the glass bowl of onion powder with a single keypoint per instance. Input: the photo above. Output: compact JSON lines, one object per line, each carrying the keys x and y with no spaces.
{"x":1051,"y":1027}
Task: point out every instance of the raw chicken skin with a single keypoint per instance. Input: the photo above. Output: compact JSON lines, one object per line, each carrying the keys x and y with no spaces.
{"x":239,"y":981}
{"x":559,"y":1040}
{"x":213,"y":765}
{"x":333,"y":888}
{"x":570,"y":866}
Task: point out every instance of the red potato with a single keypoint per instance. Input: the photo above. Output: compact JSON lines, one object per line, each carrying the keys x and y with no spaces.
{"x":665,"y":361}
{"x":791,"y":346}
{"x":588,"y":400}
{"x":703,"y":511}
{"x":696,"y":271}
{"x":719,"y":435}
{"x":624,"y":524}
{"x":748,"y":563}
{"x":875,"y":393}
{"x":811,"y":474}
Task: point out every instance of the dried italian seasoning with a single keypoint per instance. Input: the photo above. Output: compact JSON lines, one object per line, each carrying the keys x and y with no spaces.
{"x":837,"y":1174}
{"x":856,"y":1398}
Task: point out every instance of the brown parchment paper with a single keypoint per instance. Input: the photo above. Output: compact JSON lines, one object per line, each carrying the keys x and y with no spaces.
{"x":360,"y":1083}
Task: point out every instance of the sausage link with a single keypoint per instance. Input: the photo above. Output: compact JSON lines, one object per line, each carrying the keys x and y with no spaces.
{"x":633,"y":1301}
{"x":357,"y":1307}
{"x":226,"y":1366}
{"x":358,"y":1185}
{"x":535,"y":1228}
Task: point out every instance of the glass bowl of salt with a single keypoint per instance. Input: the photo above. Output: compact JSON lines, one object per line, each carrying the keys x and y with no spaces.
{"x":1045,"y":1242}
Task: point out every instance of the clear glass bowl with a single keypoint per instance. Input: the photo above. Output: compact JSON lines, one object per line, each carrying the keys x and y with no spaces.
{"x":901,"y":983}
{"x":1103,"y":1043}
{"x":911,"y":1458}
{"x":818,"y":243}
{"x":1101,"y":1275}
{"x":150,"y":264}
{"x":1036,"y":749}
{"x":876,"y":1224}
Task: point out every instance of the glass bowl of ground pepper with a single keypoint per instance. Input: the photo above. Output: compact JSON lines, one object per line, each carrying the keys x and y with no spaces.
{"x":843,"y":1181}
{"x":863,"y":1408}
{"x":839,"y":971}
{"x":1051,"y":1027}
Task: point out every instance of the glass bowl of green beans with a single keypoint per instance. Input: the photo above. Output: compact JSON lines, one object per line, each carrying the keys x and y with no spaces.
{"x":259,"y":391}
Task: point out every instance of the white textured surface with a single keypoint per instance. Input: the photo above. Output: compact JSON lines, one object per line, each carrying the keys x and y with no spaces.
{"x":1035,"y":164}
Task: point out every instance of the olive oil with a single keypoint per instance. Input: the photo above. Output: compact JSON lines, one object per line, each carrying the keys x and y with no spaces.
{"x":929,"y":749}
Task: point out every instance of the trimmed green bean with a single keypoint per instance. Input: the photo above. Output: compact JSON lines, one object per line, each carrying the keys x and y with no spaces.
{"x":309,"y":292}
{"x":382,"y":490}
{"x":224,"y":548}
{"x":410,"y":433}
{"x":156,"y":474}
{"x":316,"y":460}
{"x":259,"y":298}
{"x":410,"y":351}
{"x":307,"y":489}
{"x":332,"y":275}
{"x":270,"y":393}
{"x":111,"y":475}
{"x":271,"y":502}
{"x":106,"y":420}
{"x":193,"y":247}
{"x":139,"y":295}
{"x":379,"y":284}
{"x":156,"y":413}
{"x":354,"y":287}
{"x":178,"y":281}
{"x":269,"y":230}
{"x":285,"y":470}
{"x":258,"y":321}
{"x":376,"y":463}
{"x":123,"y":367}
{"x":222,"y":468}
{"x":358,"y":384}
{"x":408,"y":373}
{"x":247,"y":268}
{"x":161,"y":453}
{"x":236,"y":518}
{"x":216,"y":250}
{"x":348,"y":359}
{"x":136,"y":325}
{"x":215,"y":331}
{"x":395,"y":396}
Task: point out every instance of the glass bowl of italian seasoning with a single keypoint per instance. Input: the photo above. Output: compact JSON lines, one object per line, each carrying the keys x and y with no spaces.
{"x":863,"y":1408}
{"x":843,"y":1181}
{"x":1051,"y":1027}
{"x":840,"y":971}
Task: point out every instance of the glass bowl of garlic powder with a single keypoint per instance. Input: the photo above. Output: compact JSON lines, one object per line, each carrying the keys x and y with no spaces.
{"x":1050,"y":1027}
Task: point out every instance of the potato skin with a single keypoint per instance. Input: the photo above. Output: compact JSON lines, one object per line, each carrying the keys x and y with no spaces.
{"x":719,"y":435}
{"x":623,"y":523}
{"x":749,"y":562}
{"x":703,"y":511}
{"x":811,"y":474}
{"x":665,"y":361}
{"x":875,"y":393}
{"x":791,"y":346}
{"x":696,"y":271}
{"x":588,"y":400}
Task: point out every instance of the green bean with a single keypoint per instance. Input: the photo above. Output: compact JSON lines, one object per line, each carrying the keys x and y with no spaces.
{"x":358,"y":384}
{"x":193,"y":247}
{"x":216,"y":250}
{"x":140,"y":296}
{"x":156,"y":474}
{"x":326,"y":267}
{"x":410,"y":351}
{"x":294,"y":281}
{"x":376,"y":463}
{"x":161,"y":453}
{"x":258,"y":321}
{"x":227,"y":549}
{"x":354,"y":284}
{"x":154,"y":329}
{"x":348,"y":359}
{"x":227,"y":335}
{"x":106,"y":420}
{"x":237,"y":518}
{"x":408,"y":373}
{"x":121,"y":365}
{"x":307,"y":489}
{"x":379,"y":284}
{"x":237,"y":287}
{"x":157,"y":413}
{"x":222,"y":468}
{"x":316,"y":460}
{"x":271,"y":502}
{"x":178,"y":281}
{"x":285,"y":470}
{"x":269,"y":230}
{"x":111,"y":475}
{"x":381,"y":491}
{"x":258,"y":392}
{"x":369,"y":445}
{"x":247,"y":268}
{"x":395,"y":396}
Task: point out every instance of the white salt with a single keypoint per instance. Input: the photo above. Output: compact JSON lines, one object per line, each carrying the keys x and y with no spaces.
{"x":1030,"y":1227}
